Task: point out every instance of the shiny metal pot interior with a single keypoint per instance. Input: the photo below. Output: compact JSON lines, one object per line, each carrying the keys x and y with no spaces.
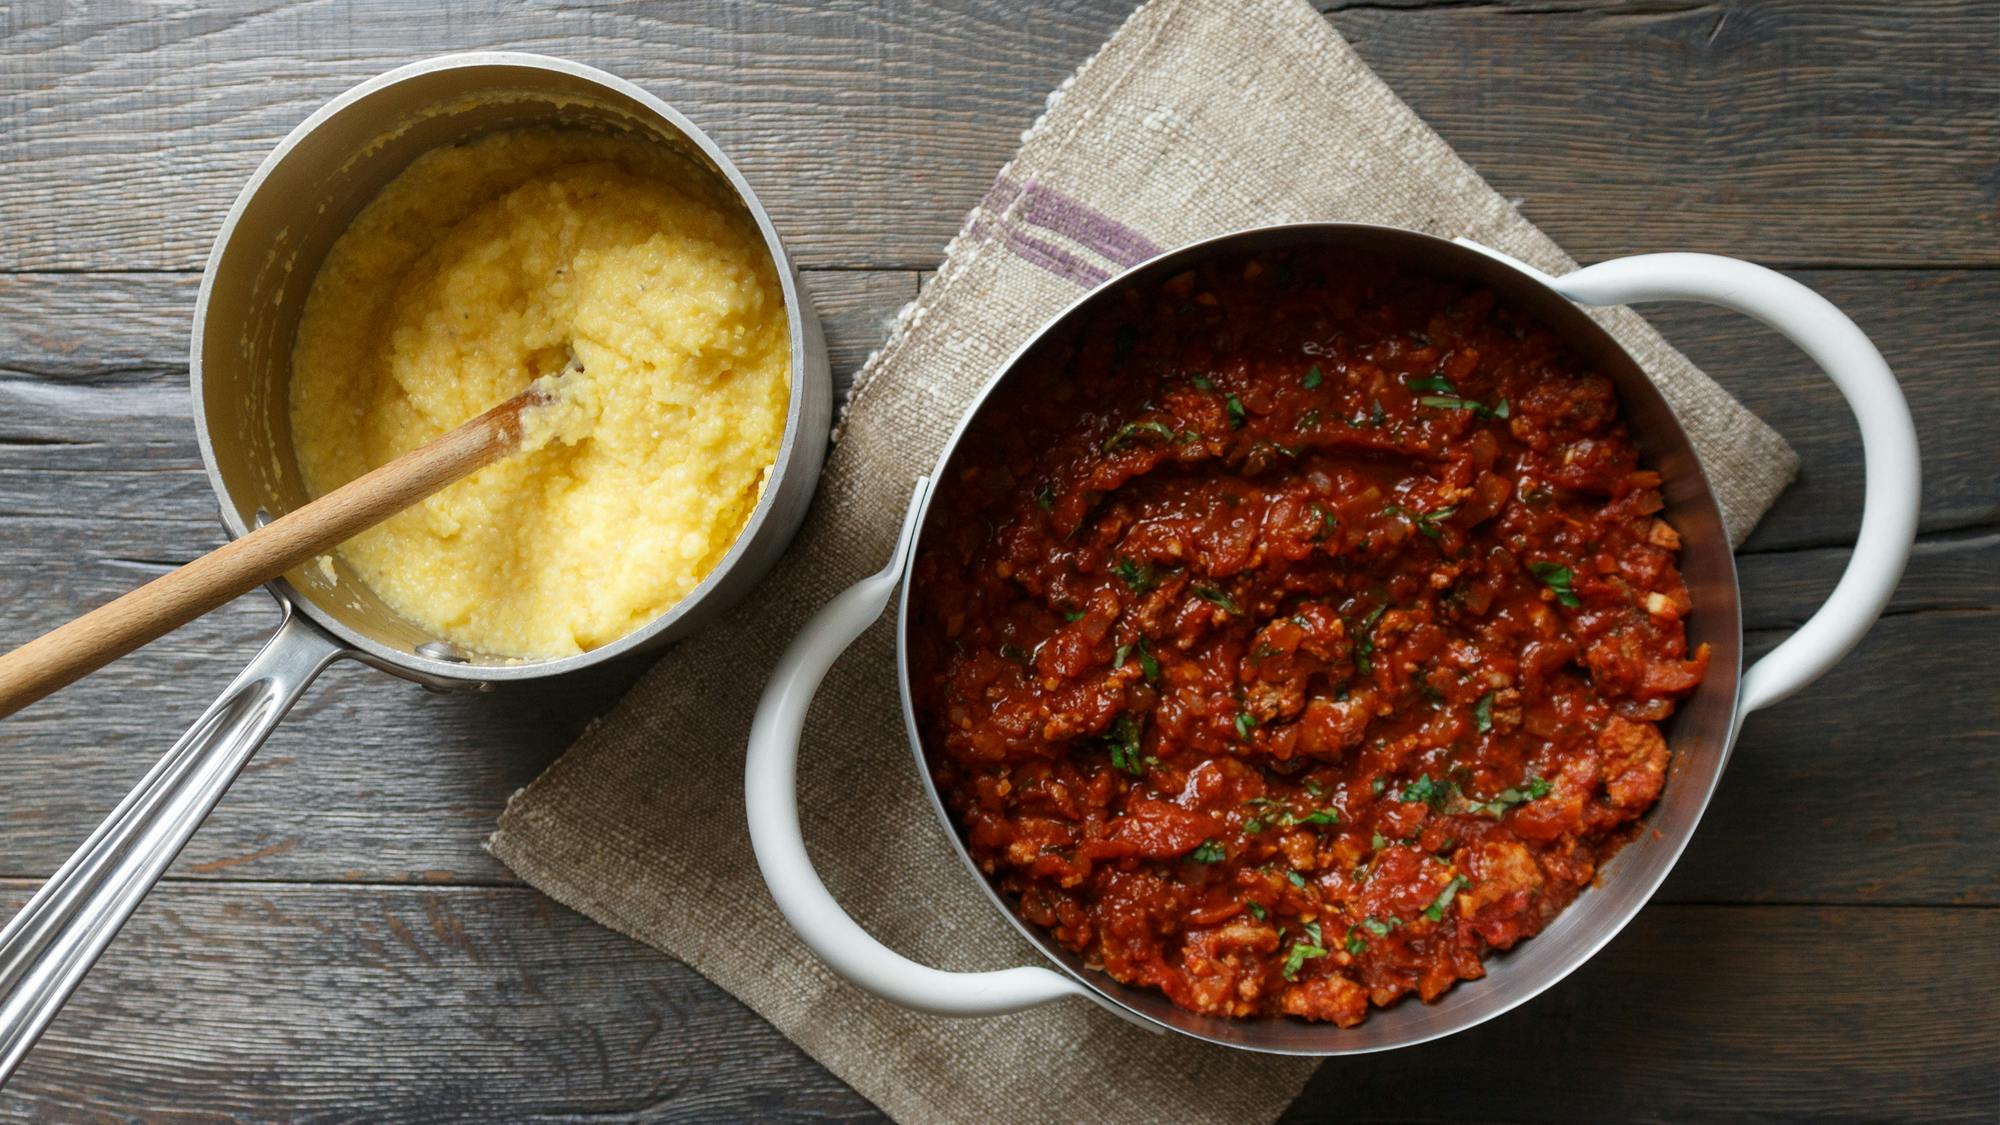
{"x":1700,"y":734}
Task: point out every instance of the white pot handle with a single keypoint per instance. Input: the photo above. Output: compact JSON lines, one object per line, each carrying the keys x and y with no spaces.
{"x":1888,"y":438}
{"x":770,"y":796}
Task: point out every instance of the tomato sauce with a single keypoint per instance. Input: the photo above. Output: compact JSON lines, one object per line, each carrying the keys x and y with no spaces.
{"x":1296,"y":633}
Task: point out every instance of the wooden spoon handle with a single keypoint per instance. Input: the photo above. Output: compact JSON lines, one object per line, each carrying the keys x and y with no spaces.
{"x":148,"y":613}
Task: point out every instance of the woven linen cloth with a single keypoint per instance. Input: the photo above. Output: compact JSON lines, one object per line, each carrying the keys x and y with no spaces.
{"x":1196,"y":118}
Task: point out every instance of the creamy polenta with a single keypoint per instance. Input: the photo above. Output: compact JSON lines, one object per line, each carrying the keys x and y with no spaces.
{"x":485,"y":266}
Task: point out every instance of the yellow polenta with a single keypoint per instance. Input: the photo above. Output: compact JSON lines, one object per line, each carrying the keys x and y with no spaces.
{"x":485,"y":266}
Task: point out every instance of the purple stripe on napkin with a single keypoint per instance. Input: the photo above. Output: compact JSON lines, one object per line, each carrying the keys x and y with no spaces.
{"x":1056,"y":260}
{"x":1045,"y":207}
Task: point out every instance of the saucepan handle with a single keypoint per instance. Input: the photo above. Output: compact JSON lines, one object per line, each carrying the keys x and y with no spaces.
{"x":770,"y":795}
{"x":53,"y":941}
{"x":1888,"y":437}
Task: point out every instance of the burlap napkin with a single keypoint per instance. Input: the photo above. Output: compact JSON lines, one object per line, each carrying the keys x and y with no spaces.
{"x":1198,"y":117}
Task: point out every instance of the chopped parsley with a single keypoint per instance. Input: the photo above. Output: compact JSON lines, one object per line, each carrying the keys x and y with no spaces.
{"x":1257,"y":910}
{"x":1147,"y":665}
{"x":1323,"y":816}
{"x":1557,"y":578}
{"x":1424,"y":790}
{"x":1235,"y":413}
{"x":1202,"y":384}
{"x":1377,"y":926}
{"x":1356,"y":944}
{"x":1379,"y":784}
{"x":1296,"y":879}
{"x":1376,"y":415}
{"x":1328,"y":523}
{"x":1072,"y":615}
{"x":1245,"y":723}
{"x":1300,"y":954}
{"x":1532,"y":789}
{"x":1453,"y":402}
{"x":1435,"y":911}
{"x":1139,"y":576}
{"x":1118,"y":656}
{"x":1045,"y":499}
{"x":1014,"y":652}
{"x":1482,"y":713}
{"x":1378,"y":841}
{"x":1254,"y":824}
{"x":1216,"y":597}
{"x":1364,"y":641}
{"x":1424,"y":522}
{"x":1210,"y":851}
{"x":1313,"y":378}
{"x":1435,"y":382}
{"x":1124,"y":740}
{"x":1131,"y":430}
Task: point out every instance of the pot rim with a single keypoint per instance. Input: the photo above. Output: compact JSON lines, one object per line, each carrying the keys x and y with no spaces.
{"x":797,"y":452}
{"x":1491,"y":999}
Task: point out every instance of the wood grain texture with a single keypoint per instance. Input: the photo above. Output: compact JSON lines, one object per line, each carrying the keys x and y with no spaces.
{"x":1719,"y":1013}
{"x":1935,"y":329}
{"x":374,"y":780}
{"x":411,"y":785}
{"x":1873,"y":785}
{"x":322,"y":1004}
{"x":263,"y":554}
{"x":256,"y":1002}
{"x":93,"y":406}
{"x":380,"y":780}
{"x":1769,"y":130}
{"x":335,"y":945}
{"x":1727,"y":127}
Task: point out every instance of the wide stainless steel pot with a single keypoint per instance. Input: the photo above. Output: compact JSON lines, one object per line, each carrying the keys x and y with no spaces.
{"x":1700,"y":734}
{"x":262,"y":266}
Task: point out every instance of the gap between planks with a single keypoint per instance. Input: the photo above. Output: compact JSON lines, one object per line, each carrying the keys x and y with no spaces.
{"x":21,"y":883}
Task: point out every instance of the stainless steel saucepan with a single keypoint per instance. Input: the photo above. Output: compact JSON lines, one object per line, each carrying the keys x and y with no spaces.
{"x":265,"y":258}
{"x":1700,"y":733}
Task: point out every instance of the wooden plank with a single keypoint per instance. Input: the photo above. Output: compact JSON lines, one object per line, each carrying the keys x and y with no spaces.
{"x":1935,"y":329}
{"x":1772,"y":131}
{"x":1954,"y":571}
{"x":868,"y":132}
{"x":81,"y":522}
{"x":1873,"y":785}
{"x":1719,"y":1013}
{"x":268,"y":1002}
{"x":259,"y":1002}
{"x":1836,"y":796}
{"x":102,"y":358}
{"x":116,"y":329}
{"x":98,"y":417}
{"x":409,"y":789}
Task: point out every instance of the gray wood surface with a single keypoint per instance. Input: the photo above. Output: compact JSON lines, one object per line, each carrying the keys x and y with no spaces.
{"x":335,"y":945}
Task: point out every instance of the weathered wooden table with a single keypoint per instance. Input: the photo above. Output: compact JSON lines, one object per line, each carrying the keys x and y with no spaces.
{"x":335,"y":943}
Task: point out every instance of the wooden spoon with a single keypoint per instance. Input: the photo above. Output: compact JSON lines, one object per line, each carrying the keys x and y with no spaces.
{"x":56,"y":659}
